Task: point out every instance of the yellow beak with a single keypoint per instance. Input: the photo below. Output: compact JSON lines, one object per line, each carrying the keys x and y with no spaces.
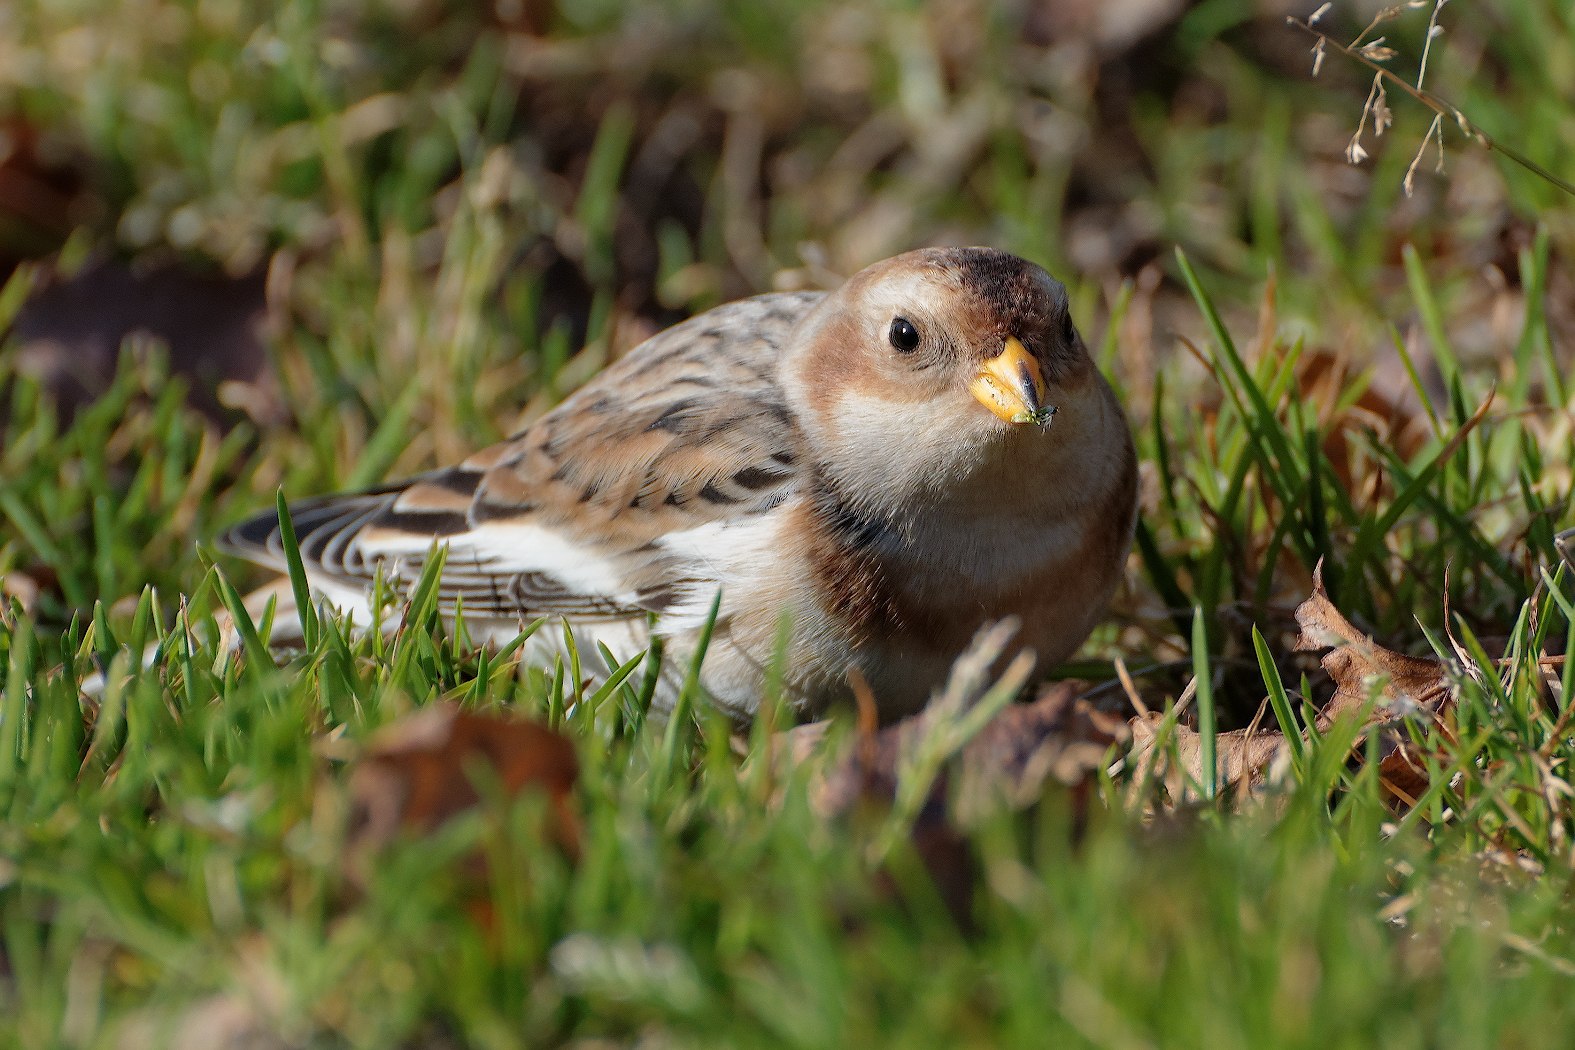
{"x":1011,"y":385}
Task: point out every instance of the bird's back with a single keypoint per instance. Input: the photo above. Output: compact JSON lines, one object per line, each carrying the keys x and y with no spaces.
{"x":568,"y":516}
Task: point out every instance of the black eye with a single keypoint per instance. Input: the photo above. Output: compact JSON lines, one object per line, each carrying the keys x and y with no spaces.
{"x":903,"y":335}
{"x":1068,"y":329}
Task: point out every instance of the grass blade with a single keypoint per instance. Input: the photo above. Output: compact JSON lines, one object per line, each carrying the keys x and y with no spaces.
{"x":310,"y":629}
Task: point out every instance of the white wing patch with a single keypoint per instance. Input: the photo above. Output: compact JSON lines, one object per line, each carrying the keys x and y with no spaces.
{"x":736,"y":555}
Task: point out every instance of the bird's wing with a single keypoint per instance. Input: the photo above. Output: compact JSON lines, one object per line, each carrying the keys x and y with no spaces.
{"x":690,"y":428}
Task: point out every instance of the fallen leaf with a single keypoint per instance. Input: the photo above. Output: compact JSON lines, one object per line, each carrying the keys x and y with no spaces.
{"x":1402,"y":773}
{"x":1405,"y":685}
{"x":71,"y":328}
{"x":1061,"y":738}
{"x":419,"y":773}
{"x":43,"y":192}
{"x":1396,"y":686}
{"x":1244,"y":758}
{"x":1377,"y":684}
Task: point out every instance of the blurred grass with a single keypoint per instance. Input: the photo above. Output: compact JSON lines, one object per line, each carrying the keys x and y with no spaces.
{"x":450,"y":201}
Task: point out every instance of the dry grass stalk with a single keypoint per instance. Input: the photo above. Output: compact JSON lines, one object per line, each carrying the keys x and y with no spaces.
{"x":1371,"y":54}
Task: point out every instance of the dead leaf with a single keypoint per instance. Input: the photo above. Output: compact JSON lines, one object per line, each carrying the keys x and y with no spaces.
{"x":43,"y":192}
{"x":1406,"y":685}
{"x":1403,"y":774}
{"x":419,"y":773}
{"x":1061,"y":738}
{"x":71,"y":328}
{"x":1243,"y":758}
{"x":1375,"y":683}
{"x":1397,"y":686}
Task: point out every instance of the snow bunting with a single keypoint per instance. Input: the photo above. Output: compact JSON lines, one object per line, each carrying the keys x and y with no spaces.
{"x":878,"y":471}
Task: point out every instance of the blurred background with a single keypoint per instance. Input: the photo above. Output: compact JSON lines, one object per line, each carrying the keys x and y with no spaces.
{"x":359,"y":239}
{"x":503,"y":182}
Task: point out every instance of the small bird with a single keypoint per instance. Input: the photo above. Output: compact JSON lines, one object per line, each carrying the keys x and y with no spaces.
{"x":872,"y":473}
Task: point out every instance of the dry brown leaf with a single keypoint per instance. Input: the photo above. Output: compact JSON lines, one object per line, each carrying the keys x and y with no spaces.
{"x":71,"y":329}
{"x":1380,"y":685}
{"x":1405,"y":684}
{"x":1243,"y":758}
{"x":419,"y":772}
{"x":1403,"y":773}
{"x":1060,"y":738}
{"x":1397,"y":687}
{"x":43,"y":192}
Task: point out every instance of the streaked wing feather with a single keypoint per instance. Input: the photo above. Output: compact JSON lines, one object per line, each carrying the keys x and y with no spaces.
{"x":566,"y":517}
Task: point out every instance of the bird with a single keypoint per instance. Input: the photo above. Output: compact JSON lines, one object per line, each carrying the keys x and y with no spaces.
{"x":858,"y":479}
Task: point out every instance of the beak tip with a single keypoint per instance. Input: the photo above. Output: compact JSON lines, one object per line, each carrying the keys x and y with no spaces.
{"x":1011,"y":386}
{"x":1029,"y":385}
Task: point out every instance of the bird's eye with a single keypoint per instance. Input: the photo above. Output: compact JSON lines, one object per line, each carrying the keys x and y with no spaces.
{"x":903,"y":335}
{"x":1068,"y":329}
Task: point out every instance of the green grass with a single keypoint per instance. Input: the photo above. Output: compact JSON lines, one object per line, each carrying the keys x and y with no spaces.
{"x":458,"y":214}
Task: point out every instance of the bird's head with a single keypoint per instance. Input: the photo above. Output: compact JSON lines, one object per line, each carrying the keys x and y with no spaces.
{"x":941,"y":367}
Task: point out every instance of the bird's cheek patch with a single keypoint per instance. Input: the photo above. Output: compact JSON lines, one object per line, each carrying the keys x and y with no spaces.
{"x":904,"y":436}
